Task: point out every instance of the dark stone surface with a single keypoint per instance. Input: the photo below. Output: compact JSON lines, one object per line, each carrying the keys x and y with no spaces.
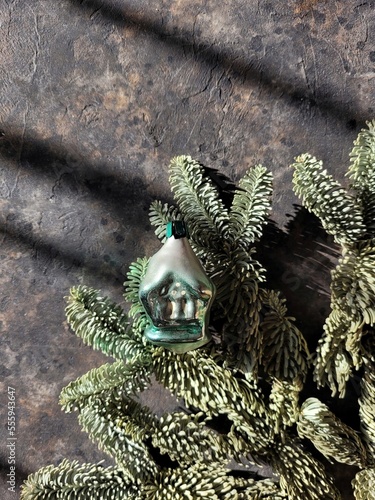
{"x":96,"y":97}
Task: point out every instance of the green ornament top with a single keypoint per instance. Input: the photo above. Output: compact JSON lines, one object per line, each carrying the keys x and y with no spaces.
{"x":177,"y":228}
{"x":177,"y":294}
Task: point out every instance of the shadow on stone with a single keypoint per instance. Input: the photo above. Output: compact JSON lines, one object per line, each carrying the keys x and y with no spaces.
{"x":298,"y":96}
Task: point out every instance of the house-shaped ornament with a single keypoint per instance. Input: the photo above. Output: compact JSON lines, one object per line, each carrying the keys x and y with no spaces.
{"x":177,"y":294}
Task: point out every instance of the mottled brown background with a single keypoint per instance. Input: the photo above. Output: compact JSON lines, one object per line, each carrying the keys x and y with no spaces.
{"x":96,"y":97}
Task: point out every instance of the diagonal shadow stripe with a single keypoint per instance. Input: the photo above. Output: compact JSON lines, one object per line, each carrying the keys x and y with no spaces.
{"x":52,"y":253}
{"x":123,"y":195}
{"x":296,"y":94}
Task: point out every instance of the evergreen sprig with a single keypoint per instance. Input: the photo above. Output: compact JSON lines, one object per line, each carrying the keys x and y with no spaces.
{"x":330,"y":436}
{"x":136,"y":272}
{"x":367,"y":398}
{"x":353,"y":283}
{"x":121,"y":427}
{"x":130,"y":378}
{"x":301,"y":475}
{"x":337,"y":352}
{"x":160,"y":214}
{"x":237,"y":277}
{"x":187,"y":439}
{"x":251,"y":206}
{"x":284,"y":404}
{"x":210,"y":481}
{"x":339,"y":213}
{"x":285,"y":352}
{"x":362,"y":159}
{"x":363,"y":484}
{"x":223,"y":241}
{"x":75,"y":481}
{"x":350,"y":218}
{"x":198,"y":200}
{"x":205,"y":385}
{"x":102,"y":324}
{"x":362,"y":174}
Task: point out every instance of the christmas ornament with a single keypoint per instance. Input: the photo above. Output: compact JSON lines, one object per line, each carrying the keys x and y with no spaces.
{"x":177,"y":294}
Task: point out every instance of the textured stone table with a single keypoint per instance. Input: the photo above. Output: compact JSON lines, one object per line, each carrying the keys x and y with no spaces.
{"x":95,"y":98}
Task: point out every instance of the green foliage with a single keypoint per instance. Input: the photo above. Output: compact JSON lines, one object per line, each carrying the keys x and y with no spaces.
{"x":198,"y":200}
{"x":194,"y":482}
{"x":353,"y":283}
{"x":241,"y":393}
{"x":130,"y":378}
{"x":301,"y":475}
{"x":363,"y":485}
{"x":222,"y":239}
{"x":329,"y":435}
{"x":362,"y":158}
{"x":213,"y":482}
{"x":285,"y":352}
{"x":362,"y":174}
{"x":237,"y":277}
{"x":135,"y":275}
{"x":350,"y":218}
{"x":74,"y":481}
{"x":251,"y":205}
{"x":341,"y":216}
{"x":102,"y":324}
{"x":120,"y":429}
{"x":284,"y":402}
{"x":367,"y":398}
{"x":337,"y":352}
{"x":187,"y":439}
{"x":205,"y":385}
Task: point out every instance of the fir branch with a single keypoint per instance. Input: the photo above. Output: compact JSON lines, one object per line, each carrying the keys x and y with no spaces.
{"x":339,"y":213}
{"x":187,"y":440}
{"x":334,"y":362}
{"x":120,"y":428}
{"x":130,"y":378}
{"x":285,"y":352}
{"x":237,"y":277}
{"x":284,"y":402}
{"x":160,"y":215}
{"x":74,"y":481}
{"x":102,"y":324}
{"x":368,"y":202}
{"x":197,"y":481}
{"x":367,"y":398}
{"x":301,"y":475}
{"x":205,"y":385}
{"x":363,"y":485}
{"x":362,"y":174}
{"x":136,"y":273}
{"x":362,"y":159}
{"x":353,"y":283}
{"x":329,"y":435}
{"x":250,"y":207}
{"x":199,"y":201}
{"x":236,"y":269}
{"x":211,"y":482}
{"x":241,"y":340}
{"x":353,"y":306}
